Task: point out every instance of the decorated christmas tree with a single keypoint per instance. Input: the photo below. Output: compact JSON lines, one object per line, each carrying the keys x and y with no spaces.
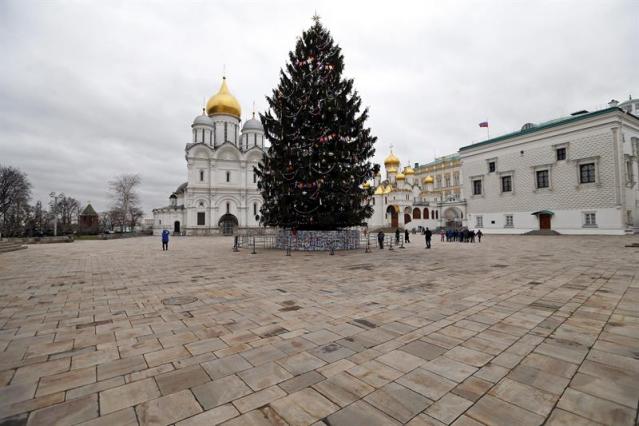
{"x":312,"y":175}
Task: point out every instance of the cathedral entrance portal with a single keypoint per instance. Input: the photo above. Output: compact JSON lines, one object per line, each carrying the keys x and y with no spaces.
{"x":453,"y":218}
{"x":227,"y":224}
{"x":176,"y":227}
{"x":394,"y":216}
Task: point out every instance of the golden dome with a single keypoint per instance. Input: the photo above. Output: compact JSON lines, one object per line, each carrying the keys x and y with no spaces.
{"x":392,"y":169}
{"x":428,"y":179}
{"x":366,"y":185}
{"x":391,"y":161}
{"x":400,"y":176}
{"x":223,"y":102}
{"x":388,"y":189}
{"x":408,"y":170}
{"x":379,"y":190}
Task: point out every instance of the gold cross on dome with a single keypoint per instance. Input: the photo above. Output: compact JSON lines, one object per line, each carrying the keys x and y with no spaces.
{"x":391,"y":147}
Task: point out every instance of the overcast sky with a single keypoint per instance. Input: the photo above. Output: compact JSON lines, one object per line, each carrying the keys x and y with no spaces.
{"x":93,"y":89}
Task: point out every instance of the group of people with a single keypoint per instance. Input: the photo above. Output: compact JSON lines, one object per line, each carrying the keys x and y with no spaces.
{"x":464,"y":235}
{"x":428,"y":235}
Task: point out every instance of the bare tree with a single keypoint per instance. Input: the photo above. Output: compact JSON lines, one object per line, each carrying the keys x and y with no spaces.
{"x":15,"y":192}
{"x":67,"y":210}
{"x":125,"y":205}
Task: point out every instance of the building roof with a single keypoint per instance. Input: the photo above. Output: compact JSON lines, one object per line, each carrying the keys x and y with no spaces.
{"x":89,"y":211}
{"x":180,"y":189}
{"x":438,"y":160}
{"x":543,"y":126}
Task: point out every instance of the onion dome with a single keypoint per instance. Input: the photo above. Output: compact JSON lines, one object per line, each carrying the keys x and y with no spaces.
{"x":253,"y":124}
{"x":366,"y":185}
{"x":391,"y":160}
{"x":400,"y":176}
{"x":223,"y":102}
{"x":408,"y":170}
{"x":202,"y":120}
{"x":392,"y":169}
{"x":428,"y":179}
{"x":379,"y":190}
{"x":388,"y":189}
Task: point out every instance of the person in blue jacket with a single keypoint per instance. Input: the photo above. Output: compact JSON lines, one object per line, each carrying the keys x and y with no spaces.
{"x":165,"y":239}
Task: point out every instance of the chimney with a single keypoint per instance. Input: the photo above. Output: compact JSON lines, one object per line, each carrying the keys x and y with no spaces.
{"x":416,"y":165}
{"x":613,"y":103}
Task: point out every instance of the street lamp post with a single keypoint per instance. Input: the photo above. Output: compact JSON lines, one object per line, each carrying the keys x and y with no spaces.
{"x":55,"y":211}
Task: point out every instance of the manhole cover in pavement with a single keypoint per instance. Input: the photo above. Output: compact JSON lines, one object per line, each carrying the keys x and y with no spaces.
{"x":179,"y":300}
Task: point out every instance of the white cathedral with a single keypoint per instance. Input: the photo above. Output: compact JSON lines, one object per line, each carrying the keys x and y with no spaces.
{"x":220,"y":194}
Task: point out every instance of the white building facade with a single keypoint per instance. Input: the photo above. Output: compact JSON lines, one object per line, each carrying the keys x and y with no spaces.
{"x":413,"y":199}
{"x":220,"y":194}
{"x":573,"y":175}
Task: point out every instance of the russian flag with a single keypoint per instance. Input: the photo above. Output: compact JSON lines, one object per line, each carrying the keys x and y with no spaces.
{"x":483,"y":124}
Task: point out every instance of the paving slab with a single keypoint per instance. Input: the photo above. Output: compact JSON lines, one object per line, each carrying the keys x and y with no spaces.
{"x":532,"y":330}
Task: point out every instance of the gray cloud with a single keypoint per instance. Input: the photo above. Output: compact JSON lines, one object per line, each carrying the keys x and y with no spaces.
{"x":89,"y":90}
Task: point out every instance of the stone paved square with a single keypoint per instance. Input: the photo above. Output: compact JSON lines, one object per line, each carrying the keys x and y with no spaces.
{"x":515,"y":330}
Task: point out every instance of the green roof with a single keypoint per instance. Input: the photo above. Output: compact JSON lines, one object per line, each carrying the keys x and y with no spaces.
{"x":88,"y":211}
{"x":545,"y":125}
{"x":450,"y":157}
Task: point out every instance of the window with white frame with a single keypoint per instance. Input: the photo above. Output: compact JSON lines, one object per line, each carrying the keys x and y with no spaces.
{"x":477,"y":187}
{"x":479,"y":221}
{"x":590,"y":219}
{"x":507,"y":183}
{"x":542,"y":179}
{"x":509,"y":221}
{"x":456,"y":179}
{"x":587,"y":173}
{"x":492,"y":166}
{"x":629,"y":171}
{"x":201,"y":218}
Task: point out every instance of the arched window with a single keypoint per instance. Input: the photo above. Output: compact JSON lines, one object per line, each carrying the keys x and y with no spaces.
{"x":255,"y":139}
{"x":254,"y":209}
{"x":226,"y":132}
{"x":417,"y":214}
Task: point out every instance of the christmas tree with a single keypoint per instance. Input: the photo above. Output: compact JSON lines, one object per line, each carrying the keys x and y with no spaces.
{"x":312,"y":175}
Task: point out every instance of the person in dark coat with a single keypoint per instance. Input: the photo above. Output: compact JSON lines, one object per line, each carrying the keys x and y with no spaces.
{"x":380,"y":239}
{"x":397,"y":236}
{"x":428,"y":235}
{"x":165,"y":240}
{"x":406,"y":236}
{"x":479,"y":235}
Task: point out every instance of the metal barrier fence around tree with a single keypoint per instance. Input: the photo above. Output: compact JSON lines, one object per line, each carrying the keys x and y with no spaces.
{"x":269,"y":240}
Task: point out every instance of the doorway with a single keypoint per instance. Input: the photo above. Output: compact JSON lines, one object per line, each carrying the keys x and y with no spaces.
{"x":544,"y":221}
{"x":227,"y":224}
{"x":176,"y":227}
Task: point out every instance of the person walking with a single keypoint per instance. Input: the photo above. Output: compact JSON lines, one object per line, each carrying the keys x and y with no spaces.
{"x":397,"y":236}
{"x":380,"y":239}
{"x":165,"y":240}
{"x":479,"y":234}
{"x":442,"y":234}
{"x":406,"y":236}
{"x":428,"y":235}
